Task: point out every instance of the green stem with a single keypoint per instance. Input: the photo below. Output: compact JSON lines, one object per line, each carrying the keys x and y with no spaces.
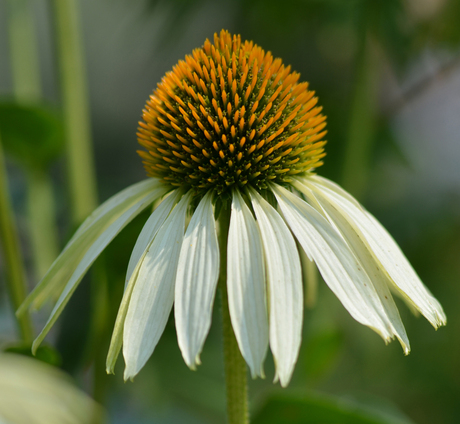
{"x":310,"y":278}
{"x":235,"y":366}
{"x":362,"y":121}
{"x":23,"y":52}
{"x":99,"y":337}
{"x":80,"y":161}
{"x":27,"y":88}
{"x":9,"y":241}
{"x":41,"y":211}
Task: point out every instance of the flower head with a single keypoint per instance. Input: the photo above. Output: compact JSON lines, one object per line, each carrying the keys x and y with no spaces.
{"x":231,"y":129}
{"x":231,"y":116}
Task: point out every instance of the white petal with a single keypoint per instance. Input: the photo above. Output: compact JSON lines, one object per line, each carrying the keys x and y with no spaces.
{"x":336,"y":263}
{"x":150,"y":229}
{"x":284,"y":279}
{"x":90,"y":255}
{"x":403,"y":276}
{"x":64,"y":266}
{"x":363,"y":253}
{"x":153,"y":293}
{"x":331,"y":185}
{"x":145,"y":239}
{"x":196,"y":282}
{"x":117,"y":335}
{"x":246,"y":286}
{"x":118,"y":199}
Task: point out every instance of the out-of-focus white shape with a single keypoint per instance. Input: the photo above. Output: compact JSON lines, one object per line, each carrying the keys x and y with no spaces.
{"x":32,"y":392}
{"x":427,"y":129}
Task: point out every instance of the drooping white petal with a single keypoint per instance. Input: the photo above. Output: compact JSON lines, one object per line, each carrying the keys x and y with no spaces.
{"x":331,"y":185}
{"x":150,"y":229}
{"x":196,"y":282}
{"x":116,"y":340}
{"x":363,"y":253}
{"x":284,"y":279}
{"x":64,"y":266}
{"x":145,"y":239}
{"x":117,"y":200}
{"x":403,"y":276}
{"x":336,"y":263}
{"x":153,"y":293}
{"x":246,"y":286}
{"x":117,"y":223}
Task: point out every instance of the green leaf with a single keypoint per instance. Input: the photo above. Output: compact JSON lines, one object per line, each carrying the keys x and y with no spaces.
{"x":32,"y":134}
{"x":321,"y":409}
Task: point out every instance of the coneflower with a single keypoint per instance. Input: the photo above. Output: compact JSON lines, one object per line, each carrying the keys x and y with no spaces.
{"x":232,"y":139}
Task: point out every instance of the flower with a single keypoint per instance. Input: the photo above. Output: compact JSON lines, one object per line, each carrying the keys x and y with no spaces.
{"x":232,"y":129}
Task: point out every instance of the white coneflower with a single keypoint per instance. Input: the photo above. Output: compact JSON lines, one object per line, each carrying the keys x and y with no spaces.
{"x":232,"y":129}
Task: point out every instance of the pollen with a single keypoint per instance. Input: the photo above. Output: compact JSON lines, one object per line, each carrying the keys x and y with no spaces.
{"x":231,"y":115}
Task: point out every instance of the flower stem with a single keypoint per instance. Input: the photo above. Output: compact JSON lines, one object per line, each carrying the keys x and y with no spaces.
{"x":235,"y":371}
{"x":80,"y":162}
{"x":235,"y":366}
{"x":9,"y":242}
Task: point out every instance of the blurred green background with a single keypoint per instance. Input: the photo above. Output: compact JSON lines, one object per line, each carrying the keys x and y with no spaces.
{"x":387,"y":73}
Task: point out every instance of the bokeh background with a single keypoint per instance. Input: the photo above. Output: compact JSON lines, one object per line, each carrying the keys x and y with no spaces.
{"x":387,"y":73}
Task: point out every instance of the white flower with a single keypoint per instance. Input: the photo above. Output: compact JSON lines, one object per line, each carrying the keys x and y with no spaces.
{"x":231,"y":128}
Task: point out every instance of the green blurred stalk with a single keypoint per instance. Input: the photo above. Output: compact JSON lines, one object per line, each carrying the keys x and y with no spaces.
{"x":80,"y":163}
{"x":23,"y":51}
{"x":27,"y":89}
{"x":362,"y":120}
{"x":9,"y":241}
{"x":234,"y":364}
{"x":42,"y":224}
{"x":310,"y":278}
{"x":74,"y":91}
{"x":99,"y":336}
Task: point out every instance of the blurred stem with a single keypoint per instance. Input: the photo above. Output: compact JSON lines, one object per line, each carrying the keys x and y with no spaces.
{"x":23,"y":51}
{"x":235,"y":366}
{"x":80,"y":162}
{"x":362,"y":120}
{"x":9,"y":240}
{"x":310,"y":278}
{"x":41,"y":211}
{"x":99,"y":337}
{"x":27,"y":87}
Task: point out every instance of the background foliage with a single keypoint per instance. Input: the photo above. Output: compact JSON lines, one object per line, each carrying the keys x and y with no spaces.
{"x":387,"y":74}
